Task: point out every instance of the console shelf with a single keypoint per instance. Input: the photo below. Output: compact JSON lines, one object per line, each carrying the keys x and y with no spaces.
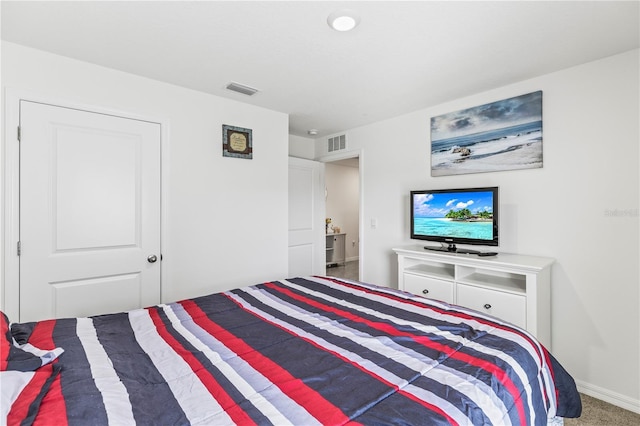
{"x":436,"y":271}
{"x":513,"y":287}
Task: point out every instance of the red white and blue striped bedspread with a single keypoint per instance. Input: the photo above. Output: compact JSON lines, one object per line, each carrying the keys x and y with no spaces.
{"x":302,"y":351}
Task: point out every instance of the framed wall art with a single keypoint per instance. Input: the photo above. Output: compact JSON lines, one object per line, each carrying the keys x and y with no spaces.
{"x":502,"y":135}
{"x":237,"y":142}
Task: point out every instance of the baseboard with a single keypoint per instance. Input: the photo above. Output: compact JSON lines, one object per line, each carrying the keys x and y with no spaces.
{"x":352,"y":259}
{"x":611,"y":397}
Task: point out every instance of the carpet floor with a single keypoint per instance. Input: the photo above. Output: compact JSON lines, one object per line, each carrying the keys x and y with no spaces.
{"x":599,"y":413}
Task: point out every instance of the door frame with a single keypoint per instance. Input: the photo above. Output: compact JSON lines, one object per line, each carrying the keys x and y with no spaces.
{"x":357,"y":153}
{"x":10,"y":232}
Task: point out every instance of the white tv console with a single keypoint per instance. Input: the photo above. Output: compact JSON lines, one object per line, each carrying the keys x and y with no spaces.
{"x":513,"y":287}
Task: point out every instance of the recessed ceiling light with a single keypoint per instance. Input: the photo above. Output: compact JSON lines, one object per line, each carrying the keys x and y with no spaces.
{"x":343,"y":20}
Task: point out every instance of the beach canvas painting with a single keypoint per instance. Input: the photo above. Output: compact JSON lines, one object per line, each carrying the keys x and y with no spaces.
{"x":503,"y":135}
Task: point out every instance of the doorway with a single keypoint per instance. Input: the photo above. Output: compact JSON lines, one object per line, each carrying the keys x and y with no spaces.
{"x":342,"y":207}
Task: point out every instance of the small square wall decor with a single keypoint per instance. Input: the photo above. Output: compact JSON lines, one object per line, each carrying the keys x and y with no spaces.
{"x":237,"y":142}
{"x":502,"y":135}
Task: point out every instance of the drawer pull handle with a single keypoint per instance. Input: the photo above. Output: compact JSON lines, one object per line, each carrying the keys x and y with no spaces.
{"x":487,"y":306}
{"x":425,"y":291}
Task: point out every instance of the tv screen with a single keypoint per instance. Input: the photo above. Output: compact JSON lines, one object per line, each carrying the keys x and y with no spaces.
{"x":455,"y":216}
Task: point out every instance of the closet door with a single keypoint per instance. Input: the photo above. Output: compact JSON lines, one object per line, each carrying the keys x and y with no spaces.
{"x":89,"y":212}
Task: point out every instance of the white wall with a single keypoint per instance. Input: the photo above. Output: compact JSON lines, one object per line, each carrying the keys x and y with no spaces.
{"x":226,"y":218}
{"x":343,"y":204}
{"x":581,"y":208}
{"x":301,"y":147}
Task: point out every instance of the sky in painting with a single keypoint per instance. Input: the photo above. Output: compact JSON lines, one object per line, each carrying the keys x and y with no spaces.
{"x":496,"y":115}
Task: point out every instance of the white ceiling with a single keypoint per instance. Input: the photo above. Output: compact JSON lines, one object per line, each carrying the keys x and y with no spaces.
{"x":404,"y":56}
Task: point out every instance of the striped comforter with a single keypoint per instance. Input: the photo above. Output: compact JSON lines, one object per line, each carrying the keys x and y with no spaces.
{"x":302,"y":351}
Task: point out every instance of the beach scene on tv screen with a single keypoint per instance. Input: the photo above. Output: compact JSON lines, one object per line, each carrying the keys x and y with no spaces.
{"x":462,"y":215}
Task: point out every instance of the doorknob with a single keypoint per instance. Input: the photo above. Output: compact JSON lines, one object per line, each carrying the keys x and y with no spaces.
{"x":152,"y":258}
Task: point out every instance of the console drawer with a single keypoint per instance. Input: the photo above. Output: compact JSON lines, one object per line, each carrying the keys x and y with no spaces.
{"x":429,"y":287}
{"x":506,"y":306}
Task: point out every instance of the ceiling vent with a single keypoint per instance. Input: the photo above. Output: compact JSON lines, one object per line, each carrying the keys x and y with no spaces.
{"x":337,"y":143}
{"x":242,"y":88}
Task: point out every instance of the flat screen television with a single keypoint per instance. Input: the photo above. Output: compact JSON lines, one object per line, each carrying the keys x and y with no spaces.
{"x":455,"y":216}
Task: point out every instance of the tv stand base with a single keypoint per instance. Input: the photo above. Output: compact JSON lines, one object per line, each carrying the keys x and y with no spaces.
{"x":451,"y":248}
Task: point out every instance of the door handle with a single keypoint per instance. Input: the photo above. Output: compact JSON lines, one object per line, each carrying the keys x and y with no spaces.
{"x":152,"y":258}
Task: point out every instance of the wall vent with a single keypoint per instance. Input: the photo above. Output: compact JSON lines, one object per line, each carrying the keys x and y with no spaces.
{"x":242,"y":88}
{"x":337,"y":143}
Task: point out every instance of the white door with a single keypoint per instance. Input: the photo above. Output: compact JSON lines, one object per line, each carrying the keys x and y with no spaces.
{"x":306,"y":226}
{"x":89,"y":212}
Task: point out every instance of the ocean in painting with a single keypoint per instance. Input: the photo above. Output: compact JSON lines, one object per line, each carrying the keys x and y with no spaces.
{"x":450,"y":228}
{"x":508,"y":148}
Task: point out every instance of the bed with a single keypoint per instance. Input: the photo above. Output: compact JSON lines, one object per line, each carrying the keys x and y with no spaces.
{"x":302,"y":351}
